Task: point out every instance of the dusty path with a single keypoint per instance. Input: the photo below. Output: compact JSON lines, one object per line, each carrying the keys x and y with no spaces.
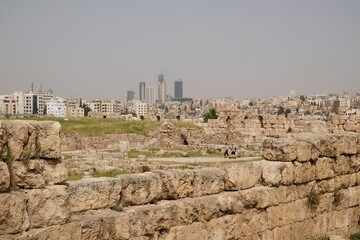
{"x":201,"y":159}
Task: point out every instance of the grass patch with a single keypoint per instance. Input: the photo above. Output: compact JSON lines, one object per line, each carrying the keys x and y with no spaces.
{"x":117,"y":208}
{"x":102,"y":126}
{"x":74,"y":176}
{"x":313,"y":198}
{"x":194,"y":154}
{"x":186,"y":125}
{"x":135,"y":153}
{"x":171,"y":154}
{"x":355,"y":236}
{"x":110,"y":173}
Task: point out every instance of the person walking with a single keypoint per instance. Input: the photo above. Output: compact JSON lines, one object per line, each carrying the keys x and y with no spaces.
{"x":226,"y":150}
{"x":233,"y":151}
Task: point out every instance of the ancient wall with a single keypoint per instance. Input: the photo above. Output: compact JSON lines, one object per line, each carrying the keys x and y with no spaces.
{"x":308,"y":186}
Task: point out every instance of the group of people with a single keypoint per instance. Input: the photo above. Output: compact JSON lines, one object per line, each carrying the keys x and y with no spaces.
{"x":227,"y":148}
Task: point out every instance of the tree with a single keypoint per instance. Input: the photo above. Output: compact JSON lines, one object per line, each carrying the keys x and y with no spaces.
{"x":302,"y":98}
{"x":211,"y":114}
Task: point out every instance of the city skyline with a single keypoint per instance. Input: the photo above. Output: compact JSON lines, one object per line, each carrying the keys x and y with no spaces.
{"x":244,"y":49}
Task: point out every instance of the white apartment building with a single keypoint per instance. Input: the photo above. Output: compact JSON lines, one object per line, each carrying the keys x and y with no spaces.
{"x":56,"y":107}
{"x":29,"y":103}
{"x":140,"y":109}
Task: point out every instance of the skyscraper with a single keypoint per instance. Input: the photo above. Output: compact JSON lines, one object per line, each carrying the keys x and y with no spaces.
{"x":178,"y":89}
{"x":142,"y":91}
{"x":150,"y":96}
{"x":161,"y":88}
{"x":130,"y":96}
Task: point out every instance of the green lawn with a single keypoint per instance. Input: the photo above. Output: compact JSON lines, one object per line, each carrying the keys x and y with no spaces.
{"x":101,"y":126}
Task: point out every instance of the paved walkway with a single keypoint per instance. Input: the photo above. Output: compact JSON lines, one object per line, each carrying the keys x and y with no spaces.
{"x":201,"y":159}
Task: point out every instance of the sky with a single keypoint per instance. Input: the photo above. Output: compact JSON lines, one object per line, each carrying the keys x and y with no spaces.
{"x":233,"y":48}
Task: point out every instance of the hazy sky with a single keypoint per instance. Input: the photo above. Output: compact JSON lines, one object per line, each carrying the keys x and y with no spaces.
{"x":231,"y":48}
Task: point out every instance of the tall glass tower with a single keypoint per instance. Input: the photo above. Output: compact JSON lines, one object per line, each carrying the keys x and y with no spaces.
{"x":142,"y":91}
{"x":178,"y":89}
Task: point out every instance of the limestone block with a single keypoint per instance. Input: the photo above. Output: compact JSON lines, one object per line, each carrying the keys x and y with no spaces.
{"x":288,"y":213}
{"x":3,"y":142}
{"x":322,"y":224}
{"x":257,"y":197}
{"x":13,"y":215}
{"x":36,"y":173}
{"x":124,"y":146}
{"x":303,"y":172}
{"x":342,"y":181}
{"x":341,"y":199}
{"x":355,"y":163}
{"x":4,"y":177}
{"x":48,"y":142}
{"x":354,"y":195}
{"x":94,"y":193}
{"x":208,"y":181}
{"x":65,"y":232}
{"x":342,"y":218}
{"x":277,"y":173}
{"x":326,"y":186}
{"x":305,"y":151}
{"x":21,"y":140}
{"x":279,"y":149}
{"x":190,"y":232}
{"x":358,"y":178}
{"x":342,"y":165}
{"x":324,"y":168}
{"x":302,"y":230}
{"x":354,"y":219}
{"x":177,"y":183}
{"x":140,"y":188}
{"x":145,"y":220}
{"x":283,"y":232}
{"x":242,"y":176}
{"x":49,"y":206}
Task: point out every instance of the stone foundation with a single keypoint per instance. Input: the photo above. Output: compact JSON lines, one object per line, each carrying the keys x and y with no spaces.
{"x":308,"y":186}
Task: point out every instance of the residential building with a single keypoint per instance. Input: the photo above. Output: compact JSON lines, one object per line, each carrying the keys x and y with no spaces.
{"x":8,"y":105}
{"x":140,"y":109}
{"x":56,"y":107}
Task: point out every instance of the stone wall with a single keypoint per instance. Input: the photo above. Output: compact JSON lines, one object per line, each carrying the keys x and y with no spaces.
{"x":308,"y":186}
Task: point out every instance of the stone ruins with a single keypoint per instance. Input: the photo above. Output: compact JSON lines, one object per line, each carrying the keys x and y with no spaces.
{"x":308,"y":186}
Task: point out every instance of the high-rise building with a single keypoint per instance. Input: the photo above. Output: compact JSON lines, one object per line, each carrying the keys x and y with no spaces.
{"x":142,"y":91}
{"x":150,"y":96}
{"x":178,"y":93}
{"x":161,"y":88}
{"x":130,"y":96}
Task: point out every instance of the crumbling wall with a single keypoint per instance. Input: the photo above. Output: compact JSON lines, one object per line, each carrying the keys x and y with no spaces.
{"x":309,"y":185}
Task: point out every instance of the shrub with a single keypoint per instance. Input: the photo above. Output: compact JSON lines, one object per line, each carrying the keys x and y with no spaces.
{"x":313,"y":198}
{"x":355,"y":236}
{"x":110,"y":173}
{"x":338,"y":197}
{"x":117,"y":208}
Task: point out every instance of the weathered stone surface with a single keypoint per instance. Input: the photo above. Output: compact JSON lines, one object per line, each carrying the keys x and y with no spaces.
{"x":354,"y":195}
{"x":36,"y":173}
{"x":177,"y":183}
{"x":94,"y":193}
{"x":355,"y":162}
{"x":48,"y":139}
{"x":4,"y":177}
{"x":277,"y":173}
{"x":3,"y":142}
{"x":49,"y":206}
{"x":140,"y":188}
{"x":324,"y":168}
{"x":283,"y":149}
{"x":242,"y":176}
{"x":342,"y":181}
{"x":208,"y":181}
{"x":21,"y":140}
{"x":303,"y":172}
{"x":13,"y":215}
{"x":64,"y":232}
{"x":288,"y":213}
{"x":342,"y":165}
{"x":193,"y":231}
